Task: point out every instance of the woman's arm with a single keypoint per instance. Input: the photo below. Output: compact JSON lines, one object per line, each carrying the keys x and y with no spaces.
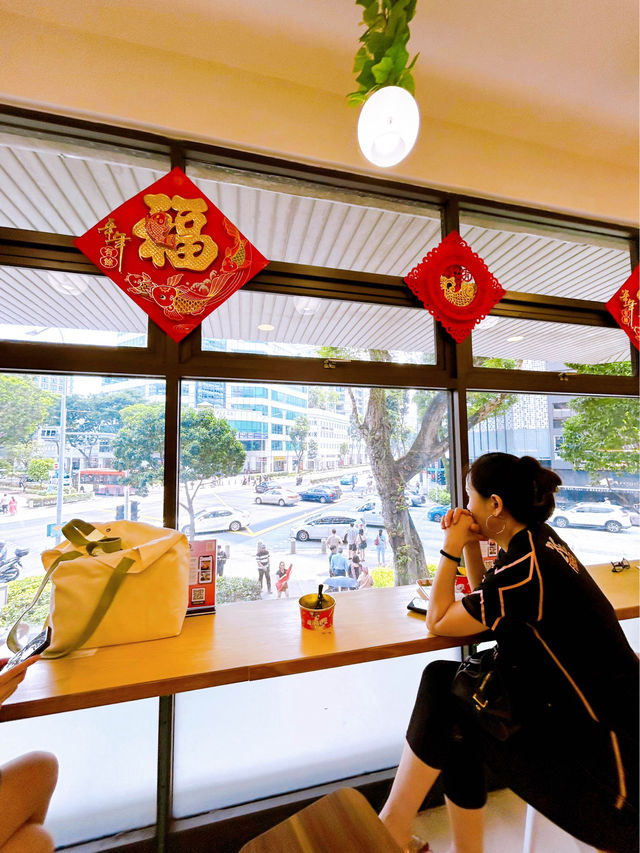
{"x":474,"y":564}
{"x":445,"y":615}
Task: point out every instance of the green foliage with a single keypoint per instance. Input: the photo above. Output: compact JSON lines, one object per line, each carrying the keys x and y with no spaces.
{"x":139,"y":445}
{"x":20,"y":595}
{"x":38,"y":469}
{"x":23,"y":408}
{"x":613,"y":368}
{"x":298,"y":438}
{"x":208,"y":446}
{"x":383,"y":59}
{"x":603,"y":436}
{"x":230,"y":589}
{"x":383,"y":576}
{"x":91,"y":417}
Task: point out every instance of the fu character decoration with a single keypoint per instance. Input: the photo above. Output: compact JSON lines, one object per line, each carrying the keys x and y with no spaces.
{"x":173,"y":252}
{"x":455,"y":285}
{"x":625,"y":307}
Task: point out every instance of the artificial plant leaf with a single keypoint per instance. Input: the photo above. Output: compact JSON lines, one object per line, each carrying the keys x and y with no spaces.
{"x":360,"y":59}
{"x":406,"y":81}
{"x":370,"y":13}
{"x":382,"y":70}
{"x":354,"y":99}
{"x":399,"y":55}
{"x":366,"y":78}
{"x":378,"y":44}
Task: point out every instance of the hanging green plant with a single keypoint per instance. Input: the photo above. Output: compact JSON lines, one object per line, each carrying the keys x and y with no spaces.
{"x":383,"y":59}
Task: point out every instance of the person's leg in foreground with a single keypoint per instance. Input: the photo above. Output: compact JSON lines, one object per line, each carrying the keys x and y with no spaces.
{"x":26,"y":786}
{"x":434,"y":733}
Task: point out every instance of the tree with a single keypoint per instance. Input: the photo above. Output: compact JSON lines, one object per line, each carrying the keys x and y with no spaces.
{"x":92,"y":418}
{"x":603,"y":437}
{"x":208,"y":448}
{"x":312,"y":453}
{"x":39,"y":469}
{"x":382,"y":426}
{"x":23,"y":408}
{"x":298,"y":438}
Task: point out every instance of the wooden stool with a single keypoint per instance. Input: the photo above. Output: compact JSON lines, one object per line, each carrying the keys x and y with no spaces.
{"x":341,"y":822}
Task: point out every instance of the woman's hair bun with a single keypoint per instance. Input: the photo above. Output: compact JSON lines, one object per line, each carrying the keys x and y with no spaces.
{"x":526,"y":488}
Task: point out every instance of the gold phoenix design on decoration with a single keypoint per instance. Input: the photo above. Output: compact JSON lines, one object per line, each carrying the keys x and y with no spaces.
{"x":458,"y":286}
{"x":175,"y":238}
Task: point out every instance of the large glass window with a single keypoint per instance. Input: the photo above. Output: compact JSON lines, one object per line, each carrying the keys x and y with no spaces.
{"x":304,"y":326}
{"x":60,"y":307}
{"x":376,"y":459}
{"x":305,"y":223}
{"x":65,"y":187}
{"x":71,"y":447}
{"x":556,"y":261}
{"x":515,"y":344}
{"x":593,"y":444}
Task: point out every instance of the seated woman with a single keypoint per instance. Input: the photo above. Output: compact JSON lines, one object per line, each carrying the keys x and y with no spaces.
{"x":571,"y":671}
{"x":364,"y":580}
{"x":26,"y":786}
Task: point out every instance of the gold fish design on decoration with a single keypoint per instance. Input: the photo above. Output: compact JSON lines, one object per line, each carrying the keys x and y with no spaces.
{"x":176,"y":239}
{"x":235,"y":257}
{"x":458,"y":286}
{"x":179,"y":301}
{"x":158,"y":226}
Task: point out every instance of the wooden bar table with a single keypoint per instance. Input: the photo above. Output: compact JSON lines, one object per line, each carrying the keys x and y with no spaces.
{"x":253,"y":640}
{"x":246,"y":642}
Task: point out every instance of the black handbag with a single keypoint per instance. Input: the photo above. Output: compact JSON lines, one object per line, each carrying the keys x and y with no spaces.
{"x":481,"y":683}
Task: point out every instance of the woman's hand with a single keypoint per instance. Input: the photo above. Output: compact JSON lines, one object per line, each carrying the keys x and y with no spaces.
{"x":460,"y":529}
{"x":10,"y":680}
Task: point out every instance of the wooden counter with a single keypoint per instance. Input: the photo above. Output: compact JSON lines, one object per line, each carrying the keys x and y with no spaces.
{"x":250,"y":641}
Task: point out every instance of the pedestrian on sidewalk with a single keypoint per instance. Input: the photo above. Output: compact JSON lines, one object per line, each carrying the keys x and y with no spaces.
{"x":333,"y":542}
{"x":361,"y":542}
{"x":381,"y":545}
{"x":339,"y":564}
{"x":351,"y":538}
{"x":282,"y":584}
{"x":262,"y":559}
{"x":13,"y":506}
{"x":4,"y":504}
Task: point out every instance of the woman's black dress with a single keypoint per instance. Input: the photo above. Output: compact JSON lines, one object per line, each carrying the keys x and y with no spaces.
{"x":576,"y":757}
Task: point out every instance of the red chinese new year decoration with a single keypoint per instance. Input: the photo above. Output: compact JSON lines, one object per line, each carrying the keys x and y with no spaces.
{"x":454,"y":285}
{"x":625,"y":305}
{"x":173,"y":252}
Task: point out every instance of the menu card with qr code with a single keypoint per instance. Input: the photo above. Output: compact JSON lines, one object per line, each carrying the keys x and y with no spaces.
{"x":202,"y":577}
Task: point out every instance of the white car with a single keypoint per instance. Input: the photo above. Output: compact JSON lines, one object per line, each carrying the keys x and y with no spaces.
{"x":320,"y":525}
{"x":610,"y":516}
{"x":216,"y":518}
{"x":278,"y":495}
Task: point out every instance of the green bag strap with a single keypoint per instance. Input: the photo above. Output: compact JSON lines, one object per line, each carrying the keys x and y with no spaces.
{"x":12,"y":637}
{"x":84,"y":535}
{"x":109,"y":593}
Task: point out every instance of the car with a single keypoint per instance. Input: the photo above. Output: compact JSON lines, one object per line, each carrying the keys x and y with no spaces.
{"x":278,"y":495}
{"x":320,"y":525}
{"x":318,"y":493}
{"x":262,"y":487}
{"x":414,"y":498}
{"x":371,"y":512}
{"x":437,"y":513}
{"x":334,"y":488}
{"x":216,"y":518}
{"x":611,"y":517}
{"x":347,"y":479}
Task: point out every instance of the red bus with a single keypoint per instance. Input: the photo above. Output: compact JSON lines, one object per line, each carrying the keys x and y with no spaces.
{"x":103,"y":481}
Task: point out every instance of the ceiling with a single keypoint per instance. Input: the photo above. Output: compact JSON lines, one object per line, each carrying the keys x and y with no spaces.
{"x":562,"y":74}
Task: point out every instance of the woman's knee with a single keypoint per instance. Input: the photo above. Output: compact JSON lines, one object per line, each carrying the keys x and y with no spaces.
{"x":31,"y":837}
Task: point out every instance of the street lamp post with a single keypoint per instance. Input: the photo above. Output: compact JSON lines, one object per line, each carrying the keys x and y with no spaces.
{"x":62,"y":437}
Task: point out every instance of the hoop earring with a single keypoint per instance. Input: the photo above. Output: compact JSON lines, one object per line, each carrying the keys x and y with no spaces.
{"x":494,"y":532}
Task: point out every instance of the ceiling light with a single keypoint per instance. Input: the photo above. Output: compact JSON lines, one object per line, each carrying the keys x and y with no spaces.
{"x":515,"y":338}
{"x":388,"y":126}
{"x":266,"y":327}
{"x":68,"y":285}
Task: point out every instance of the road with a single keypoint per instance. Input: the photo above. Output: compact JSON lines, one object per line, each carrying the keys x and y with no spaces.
{"x":271,"y":524}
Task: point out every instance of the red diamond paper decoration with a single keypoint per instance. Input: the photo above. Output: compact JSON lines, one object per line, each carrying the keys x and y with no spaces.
{"x":625,"y":305}
{"x":455,"y":286}
{"x":173,"y":252}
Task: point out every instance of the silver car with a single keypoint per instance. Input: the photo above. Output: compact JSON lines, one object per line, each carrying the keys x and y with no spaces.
{"x":279,"y":496}
{"x":320,"y":525}
{"x":216,"y":518}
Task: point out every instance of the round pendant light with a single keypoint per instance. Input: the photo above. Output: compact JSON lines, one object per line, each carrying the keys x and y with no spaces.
{"x":388,"y":126}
